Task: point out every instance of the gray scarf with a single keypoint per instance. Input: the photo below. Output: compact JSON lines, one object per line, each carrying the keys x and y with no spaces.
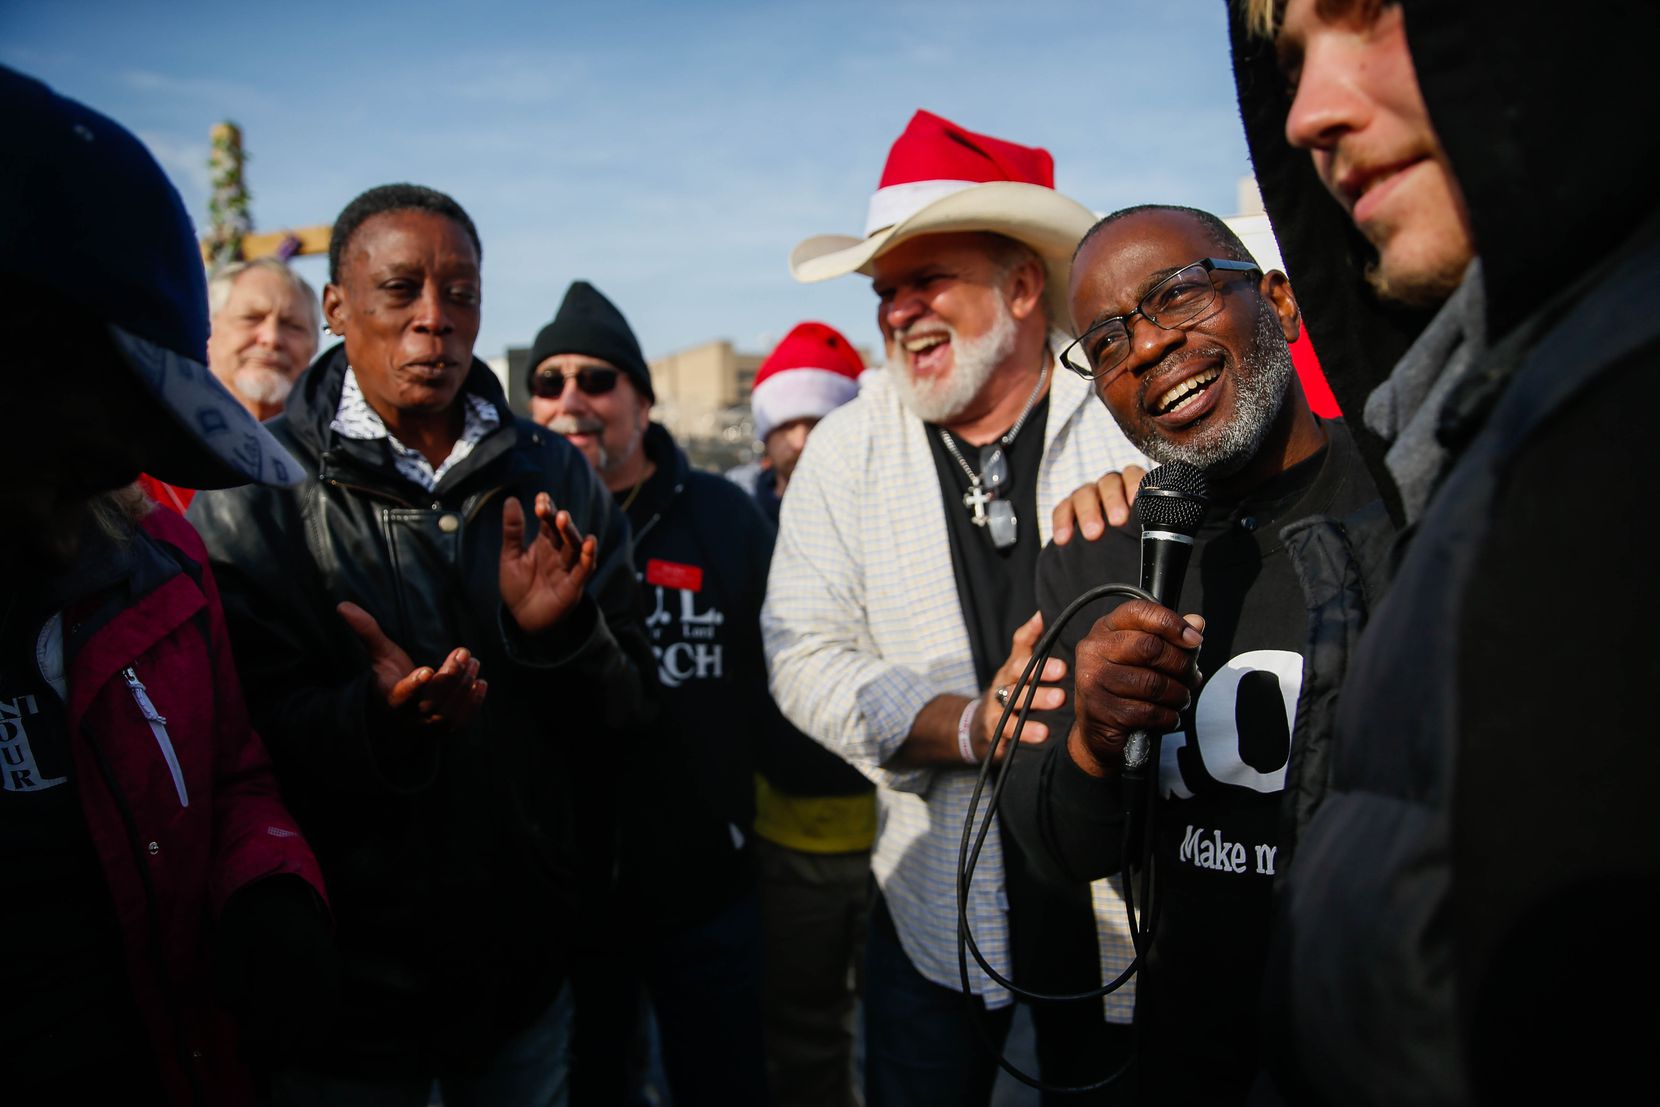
{"x":1406,"y":408}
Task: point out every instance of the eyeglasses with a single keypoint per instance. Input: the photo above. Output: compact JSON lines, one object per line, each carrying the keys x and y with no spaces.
{"x":591,"y":380}
{"x":1175,"y":302}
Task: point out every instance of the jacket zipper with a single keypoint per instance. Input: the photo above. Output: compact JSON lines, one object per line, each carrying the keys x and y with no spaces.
{"x":184,"y":1054}
{"x":652,"y":522}
{"x":158,"y":727}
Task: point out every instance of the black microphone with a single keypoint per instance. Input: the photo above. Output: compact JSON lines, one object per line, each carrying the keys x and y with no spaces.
{"x":1170,"y":506}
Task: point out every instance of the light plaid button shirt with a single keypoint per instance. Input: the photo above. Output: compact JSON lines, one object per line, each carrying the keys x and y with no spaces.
{"x":863,"y":626}
{"x":354,"y":418}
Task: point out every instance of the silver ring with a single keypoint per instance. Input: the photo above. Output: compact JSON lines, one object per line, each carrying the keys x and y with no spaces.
{"x":1002,"y":694}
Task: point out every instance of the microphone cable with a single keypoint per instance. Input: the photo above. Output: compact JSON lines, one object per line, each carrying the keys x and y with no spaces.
{"x":1140,"y":796}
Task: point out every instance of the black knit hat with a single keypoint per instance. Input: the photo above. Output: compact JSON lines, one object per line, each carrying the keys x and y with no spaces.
{"x":588,"y":323}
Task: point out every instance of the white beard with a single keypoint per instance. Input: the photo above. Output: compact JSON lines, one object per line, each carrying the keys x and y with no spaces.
{"x":973,"y":361}
{"x":262,"y":386}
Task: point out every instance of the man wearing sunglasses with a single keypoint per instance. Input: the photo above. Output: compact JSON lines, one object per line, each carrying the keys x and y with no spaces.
{"x":576,"y":363}
{"x":1184,"y":339}
{"x":686,"y":924}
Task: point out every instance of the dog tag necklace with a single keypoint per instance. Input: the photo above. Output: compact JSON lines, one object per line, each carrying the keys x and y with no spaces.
{"x":985,"y":487}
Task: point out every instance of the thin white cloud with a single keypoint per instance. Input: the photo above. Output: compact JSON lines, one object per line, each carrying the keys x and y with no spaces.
{"x":186,"y":162}
{"x":519,"y":79}
{"x":32,"y":60}
{"x":232,"y":95}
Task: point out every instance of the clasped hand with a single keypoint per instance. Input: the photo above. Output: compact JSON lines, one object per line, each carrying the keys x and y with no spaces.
{"x":420,"y":697}
{"x":1048,"y":696}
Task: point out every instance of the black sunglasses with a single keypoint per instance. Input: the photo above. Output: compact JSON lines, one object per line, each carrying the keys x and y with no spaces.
{"x":592,"y":380}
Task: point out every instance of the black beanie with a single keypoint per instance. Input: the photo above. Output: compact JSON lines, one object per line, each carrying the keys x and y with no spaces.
{"x":588,"y":323}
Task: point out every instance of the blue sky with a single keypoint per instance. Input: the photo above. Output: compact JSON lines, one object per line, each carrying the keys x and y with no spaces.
{"x":670,"y":153}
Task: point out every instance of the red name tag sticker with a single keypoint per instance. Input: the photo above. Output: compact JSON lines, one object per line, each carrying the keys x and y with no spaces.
{"x":672,"y":574}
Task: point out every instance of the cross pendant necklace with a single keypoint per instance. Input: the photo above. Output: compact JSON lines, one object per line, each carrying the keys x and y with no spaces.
{"x":976,"y":499}
{"x":984,"y":487}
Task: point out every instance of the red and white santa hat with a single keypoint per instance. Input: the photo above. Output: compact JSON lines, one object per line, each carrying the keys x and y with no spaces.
{"x":941,"y":177}
{"x":811,"y":373}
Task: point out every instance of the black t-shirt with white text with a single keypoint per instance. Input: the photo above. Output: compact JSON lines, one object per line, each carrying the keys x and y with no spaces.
{"x":1221,"y":776}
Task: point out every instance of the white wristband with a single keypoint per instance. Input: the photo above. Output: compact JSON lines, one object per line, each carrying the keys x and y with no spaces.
{"x":965,"y":739}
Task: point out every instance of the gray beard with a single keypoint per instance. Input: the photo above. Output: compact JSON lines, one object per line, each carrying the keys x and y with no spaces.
{"x":1260,"y":386}
{"x":973,"y":361}
{"x":570,"y":424}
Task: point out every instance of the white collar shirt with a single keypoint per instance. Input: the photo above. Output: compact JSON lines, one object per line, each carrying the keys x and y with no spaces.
{"x":354,"y":418}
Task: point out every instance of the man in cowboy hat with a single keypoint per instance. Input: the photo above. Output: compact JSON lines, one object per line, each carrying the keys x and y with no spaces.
{"x":903,"y":573}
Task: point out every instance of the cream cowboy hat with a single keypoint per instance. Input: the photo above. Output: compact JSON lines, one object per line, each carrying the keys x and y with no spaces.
{"x":941,"y":178}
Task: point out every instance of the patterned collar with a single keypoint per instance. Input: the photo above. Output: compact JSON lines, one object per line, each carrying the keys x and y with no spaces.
{"x":356,"y":419}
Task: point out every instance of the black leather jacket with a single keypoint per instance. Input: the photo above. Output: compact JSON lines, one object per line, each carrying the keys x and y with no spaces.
{"x":452,"y":863}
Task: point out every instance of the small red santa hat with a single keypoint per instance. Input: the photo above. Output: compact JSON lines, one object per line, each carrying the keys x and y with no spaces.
{"x":934,"y":158}
{"x":811,"y":373}
{"x":940,"y":178}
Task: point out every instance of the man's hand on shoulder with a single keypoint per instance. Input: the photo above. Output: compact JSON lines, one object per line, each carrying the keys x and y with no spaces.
{"x":542,"y":582}
{"x":1135,"y":671}
{"x":1091,"y":508}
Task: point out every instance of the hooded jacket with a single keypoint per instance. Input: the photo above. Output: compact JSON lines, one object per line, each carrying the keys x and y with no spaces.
{"x":1494,"y":755}
{"x":179,"y":800}
{"x":454,"y":861}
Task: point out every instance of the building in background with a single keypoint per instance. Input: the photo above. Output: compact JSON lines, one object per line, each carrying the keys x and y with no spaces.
{"x":703,"y":398}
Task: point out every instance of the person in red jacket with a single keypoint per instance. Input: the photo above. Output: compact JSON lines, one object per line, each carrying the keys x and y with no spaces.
{"x":154,"y":881}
